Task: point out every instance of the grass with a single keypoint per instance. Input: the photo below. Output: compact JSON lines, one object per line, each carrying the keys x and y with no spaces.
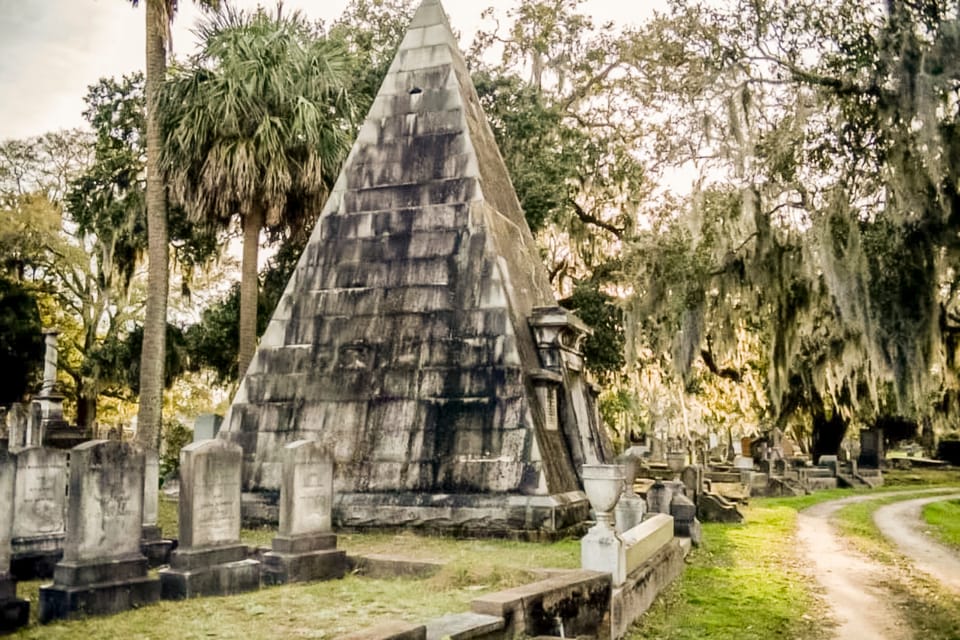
{"x":745,"y":583}
{"x":327,"y":609}
{"x":944,"y":521}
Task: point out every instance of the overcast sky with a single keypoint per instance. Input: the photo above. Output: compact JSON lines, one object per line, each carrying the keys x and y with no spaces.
{"x":52,"y":50}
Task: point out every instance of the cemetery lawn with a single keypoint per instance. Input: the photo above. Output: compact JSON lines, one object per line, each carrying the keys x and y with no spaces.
{"x":944,"y":521}
{"x":333,"y":608}
{"x":747,"y":582}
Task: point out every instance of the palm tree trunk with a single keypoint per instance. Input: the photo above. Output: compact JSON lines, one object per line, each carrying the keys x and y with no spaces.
{"x":155,"y":321}
{"x":252,"y":223}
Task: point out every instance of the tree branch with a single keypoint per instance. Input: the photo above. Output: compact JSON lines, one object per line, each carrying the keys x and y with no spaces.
{"x":595,"y":221}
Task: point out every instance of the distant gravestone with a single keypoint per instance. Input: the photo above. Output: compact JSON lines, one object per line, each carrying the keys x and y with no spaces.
{"x":692,"y":477}
{"x":14,"y":613}
{"x":210,"y":559}
{"x":152,"y":544}
{"x":102,"y":570}
{"x":206,"y":426}
{"x":40,"y":504}
{"x":305,"y":547}
{"x":16,"y":419}
{"x":871,"y":448}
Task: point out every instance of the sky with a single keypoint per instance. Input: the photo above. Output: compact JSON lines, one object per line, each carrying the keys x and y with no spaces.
{"x":52,"y":50}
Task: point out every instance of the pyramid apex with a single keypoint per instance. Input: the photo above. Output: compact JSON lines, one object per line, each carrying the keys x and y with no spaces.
{"x":429,"y":13}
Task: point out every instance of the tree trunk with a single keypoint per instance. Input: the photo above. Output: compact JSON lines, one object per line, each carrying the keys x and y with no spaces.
{"x":86,"y":411}
{"x":249,"y":286}
{"x":152,"y":358}
{"x":827,"y":433}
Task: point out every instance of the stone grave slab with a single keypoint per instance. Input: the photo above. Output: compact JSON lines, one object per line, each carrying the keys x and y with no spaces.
{"x":305,"y":547}
{"x":14,"y":612}
{"x":102,"y":570}
{"x":210,"y":559}
{"x":39,"y":519}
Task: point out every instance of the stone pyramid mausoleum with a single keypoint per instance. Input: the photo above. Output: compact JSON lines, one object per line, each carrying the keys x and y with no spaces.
{"x":419,"y":337}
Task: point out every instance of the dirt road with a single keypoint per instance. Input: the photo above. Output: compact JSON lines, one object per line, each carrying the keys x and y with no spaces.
{"x":902,"y":523}
{"x":852,"y":583}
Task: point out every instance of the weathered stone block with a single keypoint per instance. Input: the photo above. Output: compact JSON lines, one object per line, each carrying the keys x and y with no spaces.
{"x":102,"y":570}
{"x":217,"y":579}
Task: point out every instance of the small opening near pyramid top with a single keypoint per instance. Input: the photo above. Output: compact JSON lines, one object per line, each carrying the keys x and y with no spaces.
{"x":415,"y":91}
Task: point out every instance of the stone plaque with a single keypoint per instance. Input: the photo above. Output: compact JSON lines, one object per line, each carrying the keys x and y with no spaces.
{"x":8,"y":474}
{"x":210,"y":493}
{"x":151,"y":488}
{"x":105,"y":506}
{"x":306,"y":495}
{"x":40,"y":492}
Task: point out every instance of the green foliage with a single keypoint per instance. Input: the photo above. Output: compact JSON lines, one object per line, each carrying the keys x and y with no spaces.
{"x":175,"y":436}
{"x":944,"y":520}
{"x":744,"y":582}
{"x":212,"y":342}
{"x":602,"y":350}
{"x":21,"y":341}
{"x":233,"y":146}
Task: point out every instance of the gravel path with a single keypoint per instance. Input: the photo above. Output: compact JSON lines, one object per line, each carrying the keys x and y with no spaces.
{"x":852,"y":583}
{"x":902,"y":523}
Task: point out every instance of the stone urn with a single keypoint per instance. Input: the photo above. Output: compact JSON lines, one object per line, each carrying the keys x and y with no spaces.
{"x":676,"y":461}
{"x":629,"y":464}
{"x":602,"y":483}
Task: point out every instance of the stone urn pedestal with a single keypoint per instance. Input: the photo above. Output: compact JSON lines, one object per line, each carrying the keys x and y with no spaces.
{"x":602,"y":549}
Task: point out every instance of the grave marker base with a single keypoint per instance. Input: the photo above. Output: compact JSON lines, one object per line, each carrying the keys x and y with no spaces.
{"x":14,"y":613}
{"x":57,"y":602}
{"x":214,"y":571}
{"x":323,"y":564}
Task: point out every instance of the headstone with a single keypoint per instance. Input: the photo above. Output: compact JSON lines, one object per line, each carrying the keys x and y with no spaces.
{"x":16,"y":419}
{"x":40,"y":506}
{"x":743,"y":462}
{"x":152,"y":543}
{"x":305,"y":547}
{"x":692,"y":478}
{"x":14,"y":613}
{"x":206,"y":426}
{"x":745,"y":443}
{"x":685,"y":522}
{"x":658,"y":498}
{"x":35,"y":426}
{"x":871,"y":448}
{"x":102,"y":570}
{"x":829,"y":462}
{"x":210,"y":559}
{"x":657,"y":450}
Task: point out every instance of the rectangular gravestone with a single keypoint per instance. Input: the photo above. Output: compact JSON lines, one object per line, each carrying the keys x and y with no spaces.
{"x":871,"y":448}
{"x":40,"y":502}
{"x":14,"y":613}
{"x":210,"y":559}
{"x":16,"y":419}
{"x":102,"y":570}
{"x":206,"y":426}
{"x":305,"y":548}
{"x":152,"y":543}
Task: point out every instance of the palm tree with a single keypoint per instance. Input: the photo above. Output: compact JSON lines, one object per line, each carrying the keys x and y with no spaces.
{"x":159,"y":15}
{"x":256,"y":127}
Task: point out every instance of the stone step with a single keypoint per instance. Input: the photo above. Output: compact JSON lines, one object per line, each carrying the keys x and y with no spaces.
{"x":464,"y":626}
